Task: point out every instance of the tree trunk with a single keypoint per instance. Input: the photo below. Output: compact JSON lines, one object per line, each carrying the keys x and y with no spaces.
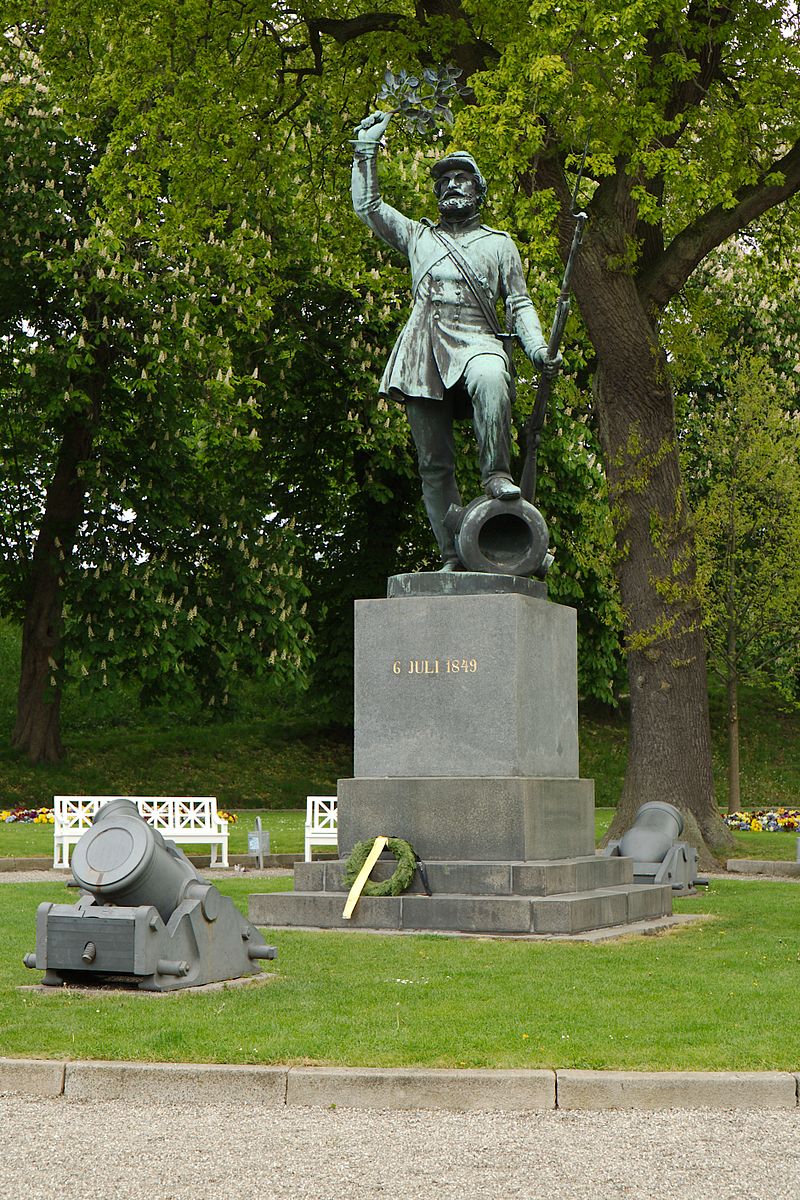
{"x":37,"y":730}
{"x":669,"y":755}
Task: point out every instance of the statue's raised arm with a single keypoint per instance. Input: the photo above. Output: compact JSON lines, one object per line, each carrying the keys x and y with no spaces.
{"x":389,"y":224}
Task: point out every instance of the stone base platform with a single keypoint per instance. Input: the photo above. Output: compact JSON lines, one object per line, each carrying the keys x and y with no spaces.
{"x":549,"y":897}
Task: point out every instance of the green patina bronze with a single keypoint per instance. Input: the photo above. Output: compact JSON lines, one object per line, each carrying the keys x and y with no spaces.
{"x":452,"y":359}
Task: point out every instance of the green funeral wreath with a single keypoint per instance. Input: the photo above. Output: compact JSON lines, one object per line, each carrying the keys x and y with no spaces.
{"x":397,"y":882}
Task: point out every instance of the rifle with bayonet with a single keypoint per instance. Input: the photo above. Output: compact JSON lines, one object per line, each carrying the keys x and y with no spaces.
{"x":535,"y":422}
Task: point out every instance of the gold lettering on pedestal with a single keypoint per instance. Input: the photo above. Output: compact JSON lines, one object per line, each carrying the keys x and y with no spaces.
{"x":423,"y":666}
{"x":461,"y":666}
{"x":435,"y":666}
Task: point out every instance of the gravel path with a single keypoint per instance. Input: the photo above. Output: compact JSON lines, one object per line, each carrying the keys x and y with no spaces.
{"x":54,"y":1149}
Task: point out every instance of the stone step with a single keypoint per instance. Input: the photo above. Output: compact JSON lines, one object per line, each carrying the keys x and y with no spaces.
{"x":544,"y":878}
{"x":564,"y":913}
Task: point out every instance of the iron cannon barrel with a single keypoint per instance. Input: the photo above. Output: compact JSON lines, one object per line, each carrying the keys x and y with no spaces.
{"x":656,"y":827}
{"x":123,"y":860}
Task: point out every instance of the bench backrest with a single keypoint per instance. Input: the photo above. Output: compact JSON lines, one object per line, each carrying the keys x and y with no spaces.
{"x":162,"y":812}
{"x":322,"y":813}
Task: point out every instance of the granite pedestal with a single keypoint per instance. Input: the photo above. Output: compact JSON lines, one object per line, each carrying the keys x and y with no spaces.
{"x":465,"y":686}
{"x":466,"y":746}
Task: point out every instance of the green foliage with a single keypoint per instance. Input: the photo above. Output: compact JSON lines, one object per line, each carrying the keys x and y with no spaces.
{"x":216,"y":156}
{"x":340,"y":469}
{"x":687,"y":104}
{"x":236,"y":182}
{"x":741,"y":450}
{"x":128,"y":323}
{"x":747,"y":533}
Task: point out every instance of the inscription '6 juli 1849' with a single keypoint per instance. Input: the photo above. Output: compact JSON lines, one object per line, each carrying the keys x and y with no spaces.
{"x":435,"y":666}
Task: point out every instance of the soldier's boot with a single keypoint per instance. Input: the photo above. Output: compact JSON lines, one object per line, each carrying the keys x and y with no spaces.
{"x":501,"y":487}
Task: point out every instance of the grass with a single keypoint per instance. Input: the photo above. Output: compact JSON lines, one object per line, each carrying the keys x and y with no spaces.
{"x":770,"y":760}
{"x":770,"y":847}
{"x":21,"y":840}
{"x":714,"y":995}
{"x":258,"y":764}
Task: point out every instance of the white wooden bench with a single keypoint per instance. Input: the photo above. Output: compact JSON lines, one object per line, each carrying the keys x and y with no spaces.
{"x":191,"y":820}
{"x":322,"y":823}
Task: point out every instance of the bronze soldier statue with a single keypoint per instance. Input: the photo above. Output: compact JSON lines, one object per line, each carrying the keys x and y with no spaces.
{"x":451,"y":358}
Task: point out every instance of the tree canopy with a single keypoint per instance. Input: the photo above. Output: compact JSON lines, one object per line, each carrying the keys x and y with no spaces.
{"x":740,"y":442}
{"x":130,"y":445}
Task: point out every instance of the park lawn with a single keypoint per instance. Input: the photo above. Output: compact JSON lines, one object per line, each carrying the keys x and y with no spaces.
{"x":285,"y":826}
{"x":260,"y":764}
{"x":717,"y":994}
{"x":766,"y":846}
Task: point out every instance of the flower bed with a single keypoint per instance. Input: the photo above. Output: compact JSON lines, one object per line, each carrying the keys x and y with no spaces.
{"x":773,"y":820}
{"x":29,"y":816}
{"x":45,"y":816}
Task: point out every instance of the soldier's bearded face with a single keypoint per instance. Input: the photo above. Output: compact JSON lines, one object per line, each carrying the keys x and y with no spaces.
{"x":458,"y":195}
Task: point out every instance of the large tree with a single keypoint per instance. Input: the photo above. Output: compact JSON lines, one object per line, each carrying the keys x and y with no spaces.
{"x":736,"y":377}
{"x":131,"y":530}
{"x":691,"y":140}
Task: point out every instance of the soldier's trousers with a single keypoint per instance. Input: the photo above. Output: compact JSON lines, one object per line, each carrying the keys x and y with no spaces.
{"x":488,"y":384}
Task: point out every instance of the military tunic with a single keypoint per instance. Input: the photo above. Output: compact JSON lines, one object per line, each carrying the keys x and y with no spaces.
{"x":446,"y":327}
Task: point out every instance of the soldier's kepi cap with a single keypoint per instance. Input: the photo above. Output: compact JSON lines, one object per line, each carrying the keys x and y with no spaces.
{"x":459,"y":160}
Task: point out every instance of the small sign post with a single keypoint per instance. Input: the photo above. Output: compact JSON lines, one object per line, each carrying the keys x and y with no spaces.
{"x":258,"y":842}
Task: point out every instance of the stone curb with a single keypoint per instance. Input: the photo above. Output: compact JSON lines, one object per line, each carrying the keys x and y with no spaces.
{"x":757,"y":866}
{"x":31,"y":1077}
{"x":648,"y":1090}
{"x":399,"y":1088}
{"x":464,"y":1090}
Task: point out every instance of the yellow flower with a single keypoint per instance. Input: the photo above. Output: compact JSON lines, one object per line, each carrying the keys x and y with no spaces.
{"x":756,"y":826}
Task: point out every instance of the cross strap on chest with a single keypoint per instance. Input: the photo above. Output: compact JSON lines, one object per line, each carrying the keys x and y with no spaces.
{"x":478,"y":290}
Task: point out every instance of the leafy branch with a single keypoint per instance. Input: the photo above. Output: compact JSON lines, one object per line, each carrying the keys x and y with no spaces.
{"x":423,"y":102}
